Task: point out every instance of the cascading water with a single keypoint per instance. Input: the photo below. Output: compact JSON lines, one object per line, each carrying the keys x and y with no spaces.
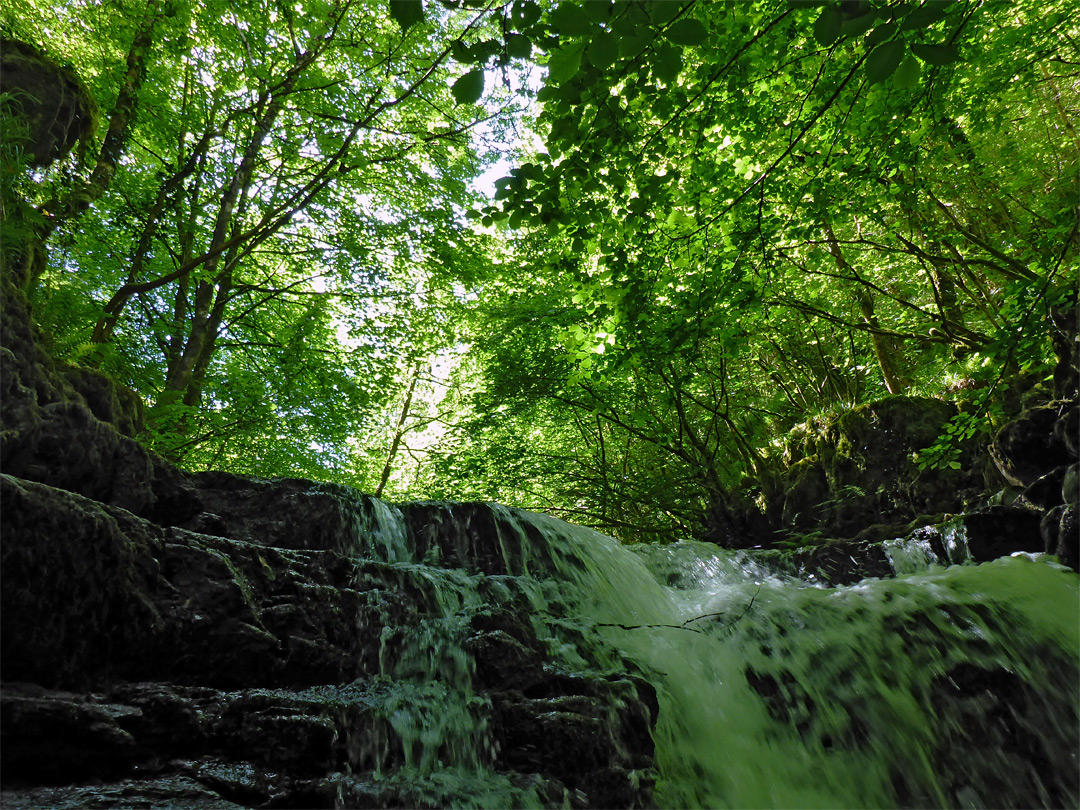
{"x":944,"y":686}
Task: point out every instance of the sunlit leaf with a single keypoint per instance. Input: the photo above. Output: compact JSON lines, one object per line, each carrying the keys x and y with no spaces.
{"x":565,"y":62}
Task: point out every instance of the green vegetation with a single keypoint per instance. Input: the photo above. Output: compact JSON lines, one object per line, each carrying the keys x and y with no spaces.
{"x":736,"y":218}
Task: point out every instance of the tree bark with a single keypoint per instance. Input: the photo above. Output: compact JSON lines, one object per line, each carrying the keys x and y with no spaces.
{"x":399,"y":433}
{"x":886,"y":349}
{"x":116,"y":137}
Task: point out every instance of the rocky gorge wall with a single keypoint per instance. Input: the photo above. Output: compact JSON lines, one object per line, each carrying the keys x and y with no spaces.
{"x":851,"y":481}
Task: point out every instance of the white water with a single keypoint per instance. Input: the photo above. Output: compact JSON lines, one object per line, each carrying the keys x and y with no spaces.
{"x":931,"y":689}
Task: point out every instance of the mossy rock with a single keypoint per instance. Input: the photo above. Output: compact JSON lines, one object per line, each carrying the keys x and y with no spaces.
{"x":913,"y":422}
{"x":53,"y":106}
{"x":863,"y":471}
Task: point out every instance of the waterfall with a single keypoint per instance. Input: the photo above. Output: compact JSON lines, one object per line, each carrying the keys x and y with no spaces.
{"x":948,"y":686}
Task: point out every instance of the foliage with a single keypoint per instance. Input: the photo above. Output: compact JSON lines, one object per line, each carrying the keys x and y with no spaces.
{"x":741,"y":217}
{"x":753,"y":213}
{"x":272,"y":219}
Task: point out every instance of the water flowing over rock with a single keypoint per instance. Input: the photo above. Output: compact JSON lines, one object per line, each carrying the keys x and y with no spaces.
{"x":336,"y":651}
{"x":313,"y":653}
{"x":175,"y":640}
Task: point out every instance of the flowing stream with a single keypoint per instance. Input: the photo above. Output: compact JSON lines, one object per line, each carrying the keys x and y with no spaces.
{"x":952,"y":686}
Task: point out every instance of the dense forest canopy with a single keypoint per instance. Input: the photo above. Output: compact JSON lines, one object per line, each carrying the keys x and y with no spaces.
{"x":719,"y":221}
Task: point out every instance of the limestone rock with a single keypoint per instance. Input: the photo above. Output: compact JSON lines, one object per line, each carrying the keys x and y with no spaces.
{"x":157,"y":659}
{"x":53,"y":104}
{"x":858,"y":469}
{"x":1026,"y":448}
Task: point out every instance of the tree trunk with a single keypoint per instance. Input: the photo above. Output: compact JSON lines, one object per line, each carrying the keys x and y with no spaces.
{"x":399,"y":433}
{"x":116,"y":138}
{"x":886,"y":349}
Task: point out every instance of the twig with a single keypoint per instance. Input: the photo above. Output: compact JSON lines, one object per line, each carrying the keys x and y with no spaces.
{"x":683,"y":626}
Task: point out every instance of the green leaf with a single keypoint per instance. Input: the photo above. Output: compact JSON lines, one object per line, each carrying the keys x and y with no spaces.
{"x":938,"y":55}
{"x":469,"y":88}
{"x":688,"y":32}
{"x":923,"y":17}
{"x":857,"y":26}
{"x":569,"y":19}
{"x":880,"y":34}
{"x":407,"y":13}
{"x":907,"y":75}
{"x":827,"y":27}
{"x":633,"y":44}
{"x":518,"y":46}
{"x":598,"y":10}
{"x":668,"y":64}
{"x":664,"y":12}
{"x":883,"y":60}
{"x":564,"y":63}
{"x":603,"y":51}
{"x":459,"y":50}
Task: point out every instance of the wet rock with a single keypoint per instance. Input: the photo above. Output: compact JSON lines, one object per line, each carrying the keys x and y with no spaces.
{"x":573,"y":736}
{"x":1061,"y":534}
{"x":998,"y":531}
{"x":261,"y":672}
{"x":1026,"y":448}
{"x":998,"y":707}
{"x":474,"y":536}
{"x":281,"y":512}
{"x":1070,"y":486}
{"x":805,"y":495}
{"x":1046,"y":491}
{"x":1065,"y":340}
{"x":51,"y":737}
{"x":75,"y":584}
{"x":857,"y":468}
{"x":832,"y":563}
{"x":1067,"y":429}
{"x":169,"y":793}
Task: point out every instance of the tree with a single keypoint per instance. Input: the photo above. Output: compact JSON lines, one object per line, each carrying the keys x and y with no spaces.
{"x":762,"y":211}
{"x":268,"y":216}
{"x":744,"y":216}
